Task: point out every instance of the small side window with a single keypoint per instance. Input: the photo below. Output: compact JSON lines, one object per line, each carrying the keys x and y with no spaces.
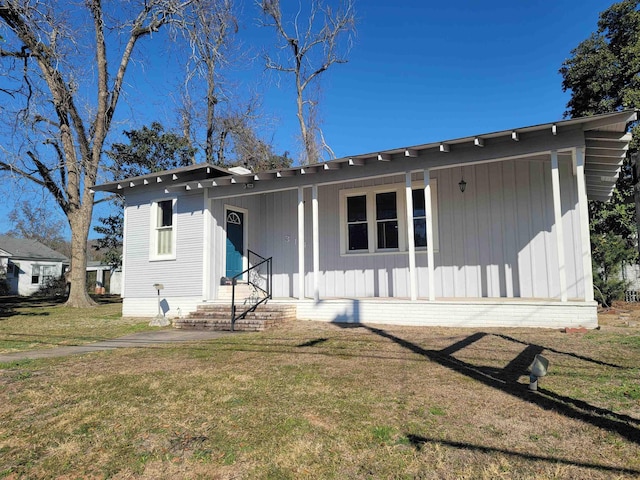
{"x":163,"y":229}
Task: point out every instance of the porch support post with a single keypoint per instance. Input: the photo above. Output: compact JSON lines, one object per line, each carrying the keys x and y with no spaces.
{"x":301,"y":243}
{"x":429,"y":221}
{"x":413,"y":281}
{"x":557,"y":210}
{"x":206,"y":246}
{"x":583,"y":211}
{"x":124,"y":252}
{"x":316,"y":243}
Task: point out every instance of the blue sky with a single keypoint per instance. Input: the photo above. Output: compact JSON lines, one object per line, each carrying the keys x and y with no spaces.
{"x":418,"y":72}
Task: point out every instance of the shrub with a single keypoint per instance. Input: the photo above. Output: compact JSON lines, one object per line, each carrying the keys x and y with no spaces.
{"x":55,"y":287}
{"x":4,"y":287}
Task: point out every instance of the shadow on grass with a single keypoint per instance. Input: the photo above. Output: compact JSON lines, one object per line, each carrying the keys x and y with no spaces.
{"x":418,"y":442}
{"x":11,"y":306}
{"x":504,"y":381}
{"x":570,"y":354}
{"x":313,"y":343}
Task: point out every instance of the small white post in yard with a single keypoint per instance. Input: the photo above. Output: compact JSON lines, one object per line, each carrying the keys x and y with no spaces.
{"x":159,"y":320}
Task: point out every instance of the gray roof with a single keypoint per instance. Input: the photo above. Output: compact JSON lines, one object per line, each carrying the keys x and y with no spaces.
{"x":25,"y":249}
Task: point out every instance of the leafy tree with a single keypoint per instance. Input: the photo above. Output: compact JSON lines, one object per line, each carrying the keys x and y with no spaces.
{"x":150,"y":149}
{"x":603,"y":75}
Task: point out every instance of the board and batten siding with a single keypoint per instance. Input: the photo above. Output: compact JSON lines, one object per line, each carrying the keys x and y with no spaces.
{"x":496,"y":240}
{"x":182,"y":276}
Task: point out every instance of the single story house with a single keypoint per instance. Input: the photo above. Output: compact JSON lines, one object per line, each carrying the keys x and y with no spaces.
{"x":27,"y":265}
{"x":487,"y":230}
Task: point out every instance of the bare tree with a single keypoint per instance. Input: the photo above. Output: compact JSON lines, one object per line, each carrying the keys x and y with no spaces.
{"x":36,"y":222}
{"x":212,"y":25}
{"x":213,"y":110}
{"x":63,"y":91}
{"x":310,"y":46}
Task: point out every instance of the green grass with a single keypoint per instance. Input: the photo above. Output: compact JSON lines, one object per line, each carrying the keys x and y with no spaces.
{"x":358,"y":405}
{"x":31,"y":323}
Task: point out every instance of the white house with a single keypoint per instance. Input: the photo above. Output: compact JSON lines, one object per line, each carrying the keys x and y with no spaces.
{"x":487,"y":230}
{"x":27,"y":264}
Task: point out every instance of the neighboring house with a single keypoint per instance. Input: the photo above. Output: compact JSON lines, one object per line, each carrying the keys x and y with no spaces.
{"x":28,"y":265}
{"x":103,"y":279}
{"x":488,"y":230}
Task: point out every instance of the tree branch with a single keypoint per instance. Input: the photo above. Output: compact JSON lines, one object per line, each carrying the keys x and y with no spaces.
{"x":49,"y":183}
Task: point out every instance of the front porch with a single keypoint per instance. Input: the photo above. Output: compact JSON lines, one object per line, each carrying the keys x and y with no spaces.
{"x":442,"y":312}
{"x":451,"y":312}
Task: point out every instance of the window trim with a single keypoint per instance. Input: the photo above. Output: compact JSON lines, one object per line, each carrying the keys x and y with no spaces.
{"x":401,"y":206}
{"x":154,"y":229}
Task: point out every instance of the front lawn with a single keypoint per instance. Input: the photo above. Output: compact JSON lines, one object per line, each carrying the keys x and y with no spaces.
{"x":313,"y":400}
{"x":28,"y":323}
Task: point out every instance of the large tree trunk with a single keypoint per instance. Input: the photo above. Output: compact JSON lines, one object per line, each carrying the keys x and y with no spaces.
{"x":79,"y":221}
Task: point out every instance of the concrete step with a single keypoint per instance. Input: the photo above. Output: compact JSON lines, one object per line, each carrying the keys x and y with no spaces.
{"x":223,"y":307}
{"x":216,"y":316}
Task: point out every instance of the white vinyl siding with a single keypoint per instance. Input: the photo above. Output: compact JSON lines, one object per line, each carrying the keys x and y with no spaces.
{"x":181,"y":277}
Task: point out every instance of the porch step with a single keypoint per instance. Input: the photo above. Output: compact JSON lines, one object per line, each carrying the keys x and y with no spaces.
{"x":218,"y":317}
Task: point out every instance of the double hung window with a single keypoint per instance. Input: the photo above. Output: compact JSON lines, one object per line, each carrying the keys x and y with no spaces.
{"x":163,"y":232}
{"x":42,"y":274}
{"x":358,"y":231}
{"x":374,"y":220}
{"x":387,"y":220}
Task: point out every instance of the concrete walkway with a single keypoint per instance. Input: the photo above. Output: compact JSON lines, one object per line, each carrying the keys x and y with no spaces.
{"x":136,"y":340}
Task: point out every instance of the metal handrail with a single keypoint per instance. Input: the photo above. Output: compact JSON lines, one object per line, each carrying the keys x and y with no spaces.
{"x":265,"y":292}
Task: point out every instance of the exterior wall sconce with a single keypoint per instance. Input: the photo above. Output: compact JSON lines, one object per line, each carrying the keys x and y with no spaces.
{"x":463,"y":185}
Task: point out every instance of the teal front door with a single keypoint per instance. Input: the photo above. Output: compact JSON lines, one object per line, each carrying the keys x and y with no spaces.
{"x":235,"y":243}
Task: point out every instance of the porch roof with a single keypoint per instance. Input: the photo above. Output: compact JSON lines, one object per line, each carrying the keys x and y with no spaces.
{"x":604,"y":138}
